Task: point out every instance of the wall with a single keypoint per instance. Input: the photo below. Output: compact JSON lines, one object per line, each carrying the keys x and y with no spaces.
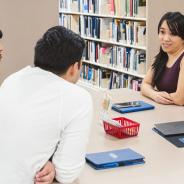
{"x":23,"y":23}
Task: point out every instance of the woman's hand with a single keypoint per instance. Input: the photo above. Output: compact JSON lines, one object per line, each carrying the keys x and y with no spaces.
{"x":46,"y":175}
{"x":162,"y":97}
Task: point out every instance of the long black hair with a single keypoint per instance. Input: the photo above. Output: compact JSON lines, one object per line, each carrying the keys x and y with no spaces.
{"x":175,"y":22}
{"x":1,"y":34}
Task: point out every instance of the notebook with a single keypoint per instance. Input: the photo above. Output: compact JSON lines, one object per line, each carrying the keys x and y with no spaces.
{"x":114,"y":158}
{"x":170,"y":128}
{"x":171,"y":131}
{"x":142,"y":107}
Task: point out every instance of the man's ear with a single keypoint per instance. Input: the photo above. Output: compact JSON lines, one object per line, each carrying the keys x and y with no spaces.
{"x":77,"y":66}
{"x":73,"y":68}
{"x":72,"y":74}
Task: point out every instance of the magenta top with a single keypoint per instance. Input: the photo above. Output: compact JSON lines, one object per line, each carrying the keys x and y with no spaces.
{"x":169,"y":78}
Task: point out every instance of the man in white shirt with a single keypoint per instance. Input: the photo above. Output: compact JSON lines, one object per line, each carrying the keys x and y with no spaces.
{"x":44,"y":114}
{"x":47,"y":172}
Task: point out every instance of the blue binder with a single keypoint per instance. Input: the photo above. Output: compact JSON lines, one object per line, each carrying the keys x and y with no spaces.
{"x":114,"y":158}
{"x":143,"y":106}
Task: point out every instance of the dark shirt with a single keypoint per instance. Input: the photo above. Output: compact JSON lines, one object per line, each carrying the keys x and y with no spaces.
{"x":169,"y":78}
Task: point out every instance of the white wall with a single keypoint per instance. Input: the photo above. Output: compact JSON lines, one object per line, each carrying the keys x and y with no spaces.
{"x":23,"y":22}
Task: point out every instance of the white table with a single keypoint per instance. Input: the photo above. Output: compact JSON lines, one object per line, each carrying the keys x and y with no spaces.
{"x":164,"y":162}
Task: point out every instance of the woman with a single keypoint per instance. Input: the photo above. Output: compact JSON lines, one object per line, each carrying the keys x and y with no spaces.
{"x":47,"y":173}
{"x":164,"y":81}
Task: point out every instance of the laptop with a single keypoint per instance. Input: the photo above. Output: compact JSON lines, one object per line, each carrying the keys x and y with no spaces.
{"x":171,"y":131}
{"x":114,"y":158}
{"x":170,"y":128}
{"x":141,"y":106}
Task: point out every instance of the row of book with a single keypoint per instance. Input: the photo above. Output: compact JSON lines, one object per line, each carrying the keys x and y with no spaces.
{"x":116,"y":30}
{"x":128,"y":59}
{"x":71,"y":22}
{"x":109,"y":79}
{"x":133,"y":8}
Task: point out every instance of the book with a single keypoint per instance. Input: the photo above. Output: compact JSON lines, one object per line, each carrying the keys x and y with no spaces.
{"x":114,"y":158}
{"x":172,"y":132}
{"x":141,"y":63}
{"x":74,"y":23}
{"x":142,"y":107}
{"x":141,"y":34}
{"x":120,"y":7}
{"x":141,"y":9}
{"x":171,"y":128}
{"x":74,"y":5}
{"x":105,"y":7}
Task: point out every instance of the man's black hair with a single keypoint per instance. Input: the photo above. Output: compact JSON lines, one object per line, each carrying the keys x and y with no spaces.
{"x":1,"y":34}
{"x":58,"y":49}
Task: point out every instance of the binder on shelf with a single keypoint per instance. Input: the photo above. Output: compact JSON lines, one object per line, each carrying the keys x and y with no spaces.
{"x":74,"y":6}
{"x":141,"y":8}
{"x":141,"y":64}
{"x":74,"y":23}
{"x":104,"y":7}
{"x":171,"y":131}
{"x":132,"y":108}
{"x":120,"y":8}
{"x":114,"y":158}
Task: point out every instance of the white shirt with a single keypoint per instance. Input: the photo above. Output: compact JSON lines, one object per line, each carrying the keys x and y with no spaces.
{"x":42,"y":114}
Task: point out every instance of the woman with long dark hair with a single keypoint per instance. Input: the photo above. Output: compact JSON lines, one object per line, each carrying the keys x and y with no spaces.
{"x":164,"y":81}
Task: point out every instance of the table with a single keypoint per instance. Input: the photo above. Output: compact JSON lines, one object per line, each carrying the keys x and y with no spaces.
{"x":164,"y":162}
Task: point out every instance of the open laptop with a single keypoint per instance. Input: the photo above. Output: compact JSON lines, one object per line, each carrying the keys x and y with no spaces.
{"x":114,"y":158}
{"x":171,"y":131}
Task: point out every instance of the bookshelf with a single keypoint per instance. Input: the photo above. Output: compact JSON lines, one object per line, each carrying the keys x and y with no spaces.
{"x":121,"y":38}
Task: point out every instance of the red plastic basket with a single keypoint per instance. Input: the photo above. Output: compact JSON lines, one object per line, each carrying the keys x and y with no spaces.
{"x":129,"y":128}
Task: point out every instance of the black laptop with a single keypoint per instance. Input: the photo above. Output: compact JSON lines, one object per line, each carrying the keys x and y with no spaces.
{"x":172,"y":131}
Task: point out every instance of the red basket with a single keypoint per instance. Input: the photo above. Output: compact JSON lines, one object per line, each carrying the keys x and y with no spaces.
{"x":129,"y":128}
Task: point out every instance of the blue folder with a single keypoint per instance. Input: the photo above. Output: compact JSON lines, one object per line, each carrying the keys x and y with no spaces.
{"x":143,"y":106}
{"x":114,"y":158}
